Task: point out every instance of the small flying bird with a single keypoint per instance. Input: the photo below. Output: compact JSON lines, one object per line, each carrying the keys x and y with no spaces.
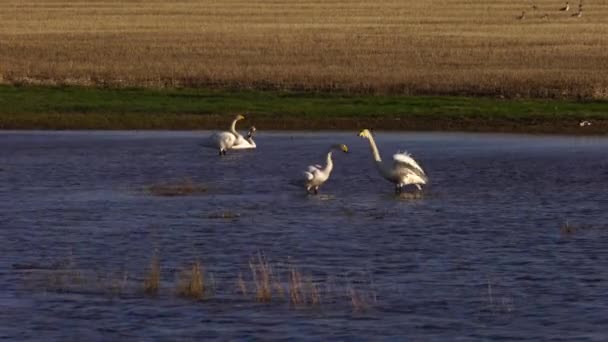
{"x":578,"y":14}
{"x":565,"y":8}
{"x":522,"y":16}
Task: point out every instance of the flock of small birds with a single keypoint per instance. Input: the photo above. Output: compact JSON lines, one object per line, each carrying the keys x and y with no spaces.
{"x":545,"y":16}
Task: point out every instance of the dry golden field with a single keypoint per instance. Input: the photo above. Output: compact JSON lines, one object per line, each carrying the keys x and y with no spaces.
{"x":383,"y":46}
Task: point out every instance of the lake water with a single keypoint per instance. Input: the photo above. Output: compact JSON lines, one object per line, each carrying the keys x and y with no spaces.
{"x":508,"y":241}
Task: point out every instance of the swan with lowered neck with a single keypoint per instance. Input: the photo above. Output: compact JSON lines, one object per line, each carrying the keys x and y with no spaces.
{"x":224,"y":140}
{"x":316,"y":175}
{"x":245,"y":143}
{"x":403,"y":171}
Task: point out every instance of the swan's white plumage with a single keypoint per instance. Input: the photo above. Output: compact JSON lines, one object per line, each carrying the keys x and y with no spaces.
{"x":225,"y":140}
{"x":313,"y":168}
{"x":308,"y":176}
{"x":403,"y":171}
{"x":220,"y":140}
{"x":245,"y":143}
{"x":406,"y":158}
{"x":316,"y":175}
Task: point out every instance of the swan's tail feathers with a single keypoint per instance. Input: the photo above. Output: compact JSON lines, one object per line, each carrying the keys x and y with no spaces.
{"x":406,"y":158}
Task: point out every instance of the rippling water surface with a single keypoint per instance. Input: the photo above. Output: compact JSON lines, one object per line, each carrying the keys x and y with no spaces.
{"x":509,"y":241}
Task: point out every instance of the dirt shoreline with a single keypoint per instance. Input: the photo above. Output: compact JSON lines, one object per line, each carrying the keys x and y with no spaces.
{"x":270,"y":123}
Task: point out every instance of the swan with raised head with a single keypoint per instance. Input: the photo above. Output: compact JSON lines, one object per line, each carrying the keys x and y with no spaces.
{"x":404,"y":170}
{"x":224,"y":140}
{"x":245,"y":143}
{"x":316,"y":175}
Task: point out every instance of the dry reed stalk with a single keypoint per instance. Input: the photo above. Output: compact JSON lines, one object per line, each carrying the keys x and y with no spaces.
{"x":241,"y":285}
{"x":313,"y":290}
{"x":262,"y":278}
{"x":152,"y":280}
{"x":278,"y":286}
{"x":296,"y":288}
{"x":358,"y":300}
{"x":192,"y":282}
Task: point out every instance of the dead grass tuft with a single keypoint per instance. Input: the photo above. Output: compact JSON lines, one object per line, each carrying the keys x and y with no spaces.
{"x":185,"y":187}
{"x":358,"y":300}
{"x":296,"y":287}
{"x":313,"y":290}
{"x":262,"y":278}
{"x":191,"y":283}
{"x":224,"y":215}
{"x":242,"y":286}
{"x":152,"y":280}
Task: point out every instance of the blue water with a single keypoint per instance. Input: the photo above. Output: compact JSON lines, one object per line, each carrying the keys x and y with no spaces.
{"x":508,"y":241}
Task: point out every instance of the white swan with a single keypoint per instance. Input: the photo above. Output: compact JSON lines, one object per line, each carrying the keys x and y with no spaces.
{"x":403,"y":171}
{"x":225,"y":140}
{"x":247,"y":142}
{"x":316,"y":175}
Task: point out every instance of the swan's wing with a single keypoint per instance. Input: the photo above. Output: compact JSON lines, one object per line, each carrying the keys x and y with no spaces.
{"x":242,"y":145}
{"x":314,"y":168}
{"x":240,"y":140}
{"x":415,"y":178}
{"x":308,"y":175}
{"x":223,"y":139}
{"x":404,"y":159}
{"x":411,"y":174}
{"x":213,"y":141}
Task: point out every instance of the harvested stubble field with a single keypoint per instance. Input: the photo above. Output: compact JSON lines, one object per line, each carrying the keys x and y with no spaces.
{"x":444,"y":47}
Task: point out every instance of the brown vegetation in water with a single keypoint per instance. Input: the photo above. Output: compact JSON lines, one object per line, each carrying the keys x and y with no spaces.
{"x":385,"y":46}
{"x":152,"y":280}
{"x":185,"y":187}
{"x":191,"y":283}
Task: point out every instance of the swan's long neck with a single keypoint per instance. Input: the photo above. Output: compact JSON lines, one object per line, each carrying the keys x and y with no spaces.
{"x":374,"y":148}
{"x":330,"y":163}
{"x":233,"y":128}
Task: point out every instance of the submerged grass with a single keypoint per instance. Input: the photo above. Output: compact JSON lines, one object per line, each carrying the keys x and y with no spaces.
{"x":185,"y":187}
{"x":192,"y":282}
{"x":39,"y":107}
{"x":262,"y":278}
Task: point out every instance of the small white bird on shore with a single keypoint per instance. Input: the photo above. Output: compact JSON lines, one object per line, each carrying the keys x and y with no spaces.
{"x":584,"y":123}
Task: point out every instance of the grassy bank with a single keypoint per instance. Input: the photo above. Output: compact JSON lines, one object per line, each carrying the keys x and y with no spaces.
{"x":37,"y":107}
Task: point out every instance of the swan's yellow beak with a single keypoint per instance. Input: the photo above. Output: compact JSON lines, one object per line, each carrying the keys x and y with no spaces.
{"x":240,"y":117}
{"x":344,"y":148}
{"x":364,"y":133}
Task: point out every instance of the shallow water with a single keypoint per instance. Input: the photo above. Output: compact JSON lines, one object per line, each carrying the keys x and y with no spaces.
{"x":482,"y":254}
